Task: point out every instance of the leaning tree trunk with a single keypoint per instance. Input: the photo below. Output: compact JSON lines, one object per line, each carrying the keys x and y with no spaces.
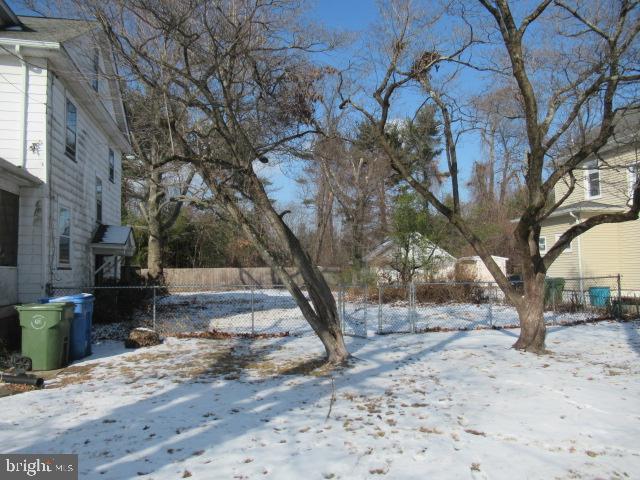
{"x":321,"y":313}
{"x":531,"y":315}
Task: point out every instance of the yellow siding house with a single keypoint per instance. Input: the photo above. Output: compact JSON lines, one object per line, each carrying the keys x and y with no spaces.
{"x":603,"y":185}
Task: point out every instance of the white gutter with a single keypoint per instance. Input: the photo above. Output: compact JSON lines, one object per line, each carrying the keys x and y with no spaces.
{"x":15,"y":42}
{"x":577,"y":219}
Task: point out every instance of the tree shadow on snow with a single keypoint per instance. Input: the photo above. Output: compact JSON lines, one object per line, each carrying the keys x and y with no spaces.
{"x":216,"y":407}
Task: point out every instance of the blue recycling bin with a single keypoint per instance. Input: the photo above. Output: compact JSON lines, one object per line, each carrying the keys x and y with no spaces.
{"x":599,"y":296}
{"x":80,"y":332}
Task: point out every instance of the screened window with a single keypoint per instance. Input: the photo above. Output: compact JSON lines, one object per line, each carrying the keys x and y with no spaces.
{"x":98,"y":200}
{"x":593,"y":179}
{"x":9,"y":206}
{"x":542,"y":244}
{"x":568,"y":249}
{"x":64,"y":237}
{"x":95,"y":82}
{"x":112,"y":166}
{"x":71,"y":122}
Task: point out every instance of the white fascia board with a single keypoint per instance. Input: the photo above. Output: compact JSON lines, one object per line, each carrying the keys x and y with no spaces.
{"x":37,"y":44}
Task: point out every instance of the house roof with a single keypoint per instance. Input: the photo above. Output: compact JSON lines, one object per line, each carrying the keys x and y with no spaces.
{"x":583,"y":206}
{"x":387,"y":245}
{"x":476,"y":258}
{"x":586,"y":206}
{"x":8,"y":19}
{"x":113,"y":240}
{"x":47,"y":29}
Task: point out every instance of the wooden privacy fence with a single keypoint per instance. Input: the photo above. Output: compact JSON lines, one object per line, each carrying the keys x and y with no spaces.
{"x":257,"y":276}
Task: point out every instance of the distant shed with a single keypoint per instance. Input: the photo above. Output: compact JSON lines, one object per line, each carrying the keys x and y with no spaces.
{"x":473,"y":269}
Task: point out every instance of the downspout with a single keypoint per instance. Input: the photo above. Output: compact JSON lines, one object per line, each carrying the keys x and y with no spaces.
{"x":579,"y":246}
{"x":22,"y":137}
{"x":46,"y":197}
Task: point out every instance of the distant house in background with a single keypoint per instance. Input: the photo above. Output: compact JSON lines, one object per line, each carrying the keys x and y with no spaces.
{"x":473,"y":269}
{"x":431,"y":261}
{"x":603,"y":185}
{"x":62,"y":135}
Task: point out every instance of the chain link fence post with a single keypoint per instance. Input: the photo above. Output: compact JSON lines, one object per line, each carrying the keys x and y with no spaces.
{"x":341,"y":307}
{"x":491,"y":300}
{"x":618,"y":312}
{"x":253,"y":313}
{"x":366,"y":308}
{"x":412,"y":306}
{"x":380,"y":298}
{"x":154,"y":307}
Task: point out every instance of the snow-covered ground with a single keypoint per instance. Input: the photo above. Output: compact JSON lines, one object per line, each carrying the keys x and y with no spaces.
{"x":437,"y":405}
{"x":274,"y":311}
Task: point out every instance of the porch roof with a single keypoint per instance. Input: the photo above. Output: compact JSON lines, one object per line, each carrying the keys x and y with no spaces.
{"x":114,"y":240}
{"x":18,"y":176}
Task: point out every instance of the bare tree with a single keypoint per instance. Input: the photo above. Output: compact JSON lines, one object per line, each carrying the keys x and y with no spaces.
{"x":243,"y":72}
{"x":154,"y":176}
{"x":583,"y":84}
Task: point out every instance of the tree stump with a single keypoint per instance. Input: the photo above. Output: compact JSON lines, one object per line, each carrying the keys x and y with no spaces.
{"x":142,"y":337}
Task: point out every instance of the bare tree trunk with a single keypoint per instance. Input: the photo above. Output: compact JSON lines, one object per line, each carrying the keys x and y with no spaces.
{"x":154,"y":251}
{"x":531,"y":316}
{"x":154,"y":243}
{"x":322,"y":312}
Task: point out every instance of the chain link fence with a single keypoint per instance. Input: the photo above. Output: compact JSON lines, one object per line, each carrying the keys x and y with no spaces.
{"x":363,"y":310}
{"x":443,"y":306}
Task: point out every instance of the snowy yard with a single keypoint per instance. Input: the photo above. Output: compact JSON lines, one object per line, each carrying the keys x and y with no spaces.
{"x":438,"y":405}
{"x":274,"y":311}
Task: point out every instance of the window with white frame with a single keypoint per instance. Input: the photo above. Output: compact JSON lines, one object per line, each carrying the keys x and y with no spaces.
{"x":95,"y":82}
{"x":112,"y":166}
{"x":64,"y":238}
{"x":98,"y":200}
{"x":71,"y":122}
{"x":592,"y":179}
{"x":568,"y":249}
{"x":542,"y":245}
{"x":633,"y":180}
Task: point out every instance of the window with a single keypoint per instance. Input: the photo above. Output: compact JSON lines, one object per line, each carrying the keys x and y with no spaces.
{"x":592,"y":179}
{"x":568,"y":249}
{"x":633,"y":180}
{"x":542,"y":244}
{"x":98,"y":200}
{"x":95,"y":82}
{"x":112,"y":166}
{"x":9,"y":206}
{"x":64,"y":238}
{"x":71,"y":122}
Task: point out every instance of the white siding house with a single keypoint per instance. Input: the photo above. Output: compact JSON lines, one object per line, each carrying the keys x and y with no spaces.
{"x":62,"y":135}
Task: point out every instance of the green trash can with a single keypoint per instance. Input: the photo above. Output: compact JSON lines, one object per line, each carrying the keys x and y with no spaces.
{"x":553,"y":290}
{"x":45,"y":333}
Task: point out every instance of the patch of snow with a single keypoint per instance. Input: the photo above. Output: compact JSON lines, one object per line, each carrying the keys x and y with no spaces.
{"x":444,"y":405}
